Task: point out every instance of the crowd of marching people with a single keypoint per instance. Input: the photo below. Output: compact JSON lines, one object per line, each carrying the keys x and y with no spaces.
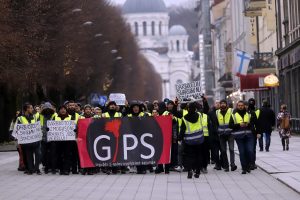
{"x":200,"y":135}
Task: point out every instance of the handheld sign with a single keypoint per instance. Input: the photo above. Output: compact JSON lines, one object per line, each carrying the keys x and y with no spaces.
{"x":28,"y":133}
{"x":61,"y":130}
{"x":119,"y":98}
{"x":188,"y":90}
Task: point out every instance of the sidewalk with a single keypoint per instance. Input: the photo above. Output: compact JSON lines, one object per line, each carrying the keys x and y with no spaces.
{"x":282,"y":165}
{"x":218,"y":185}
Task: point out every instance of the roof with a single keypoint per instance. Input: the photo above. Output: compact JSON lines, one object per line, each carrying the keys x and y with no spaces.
{"x":177,"y":30}
{"x":144,"y":6}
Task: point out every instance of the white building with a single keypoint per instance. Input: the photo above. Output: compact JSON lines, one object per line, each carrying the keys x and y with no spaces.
{"x":166,"y":49}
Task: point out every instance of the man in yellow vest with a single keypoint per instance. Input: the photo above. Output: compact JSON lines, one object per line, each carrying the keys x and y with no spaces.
{"x":111,"y":112}
{"x":136,"y":111}
{"x":191,"y":133}
{"x":242,"y":129}
{"x":71,"y":109}
{"x":223,"y":116}
{"x":32,"y":149}
{"x":62,"y":158}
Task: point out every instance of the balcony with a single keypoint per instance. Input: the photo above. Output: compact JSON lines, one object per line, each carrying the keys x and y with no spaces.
{"x":254,"y":8}
{"x":263,"y":63}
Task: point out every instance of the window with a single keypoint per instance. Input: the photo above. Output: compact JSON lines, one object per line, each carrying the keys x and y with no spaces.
{"x":153,"y":28}
{"x":136,"y":28}
{"x":177,"y":46}
{"x":160,"y":28}
{"x":144,"y":28}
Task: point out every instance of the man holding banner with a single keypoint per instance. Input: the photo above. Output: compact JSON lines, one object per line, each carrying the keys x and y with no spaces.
{"x":28,"y":133}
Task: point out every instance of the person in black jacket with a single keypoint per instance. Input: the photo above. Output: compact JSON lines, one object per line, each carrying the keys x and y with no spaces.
{"x":265,"y":123}
{"x":214,"y":137}
{"x":192,"y":157}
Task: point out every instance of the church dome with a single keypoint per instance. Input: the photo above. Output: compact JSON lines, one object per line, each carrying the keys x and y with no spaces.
{"x":144,"y":6}
{"x":177,"y":30}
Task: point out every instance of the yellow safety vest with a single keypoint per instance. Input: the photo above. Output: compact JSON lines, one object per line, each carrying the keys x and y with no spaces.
{"x":184,"y":112}
{"x":142,"y":114}
{"x":117,"y":114}
{"x":23,"y":120}
{"x":223,"y":128}
{"x":257,"y":113}
{"x":37,"y":116}
{"x":57,"y":118}
{"x":194,"y":132}
{"x":42,"y":118}
{"x":205,"y":124}
{"x":238,"y":120}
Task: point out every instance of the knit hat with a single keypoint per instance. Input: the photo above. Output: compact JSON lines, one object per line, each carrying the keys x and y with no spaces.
{"x":47,"y":105}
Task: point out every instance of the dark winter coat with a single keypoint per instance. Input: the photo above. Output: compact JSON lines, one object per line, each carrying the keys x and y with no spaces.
{"x":266,"y":120}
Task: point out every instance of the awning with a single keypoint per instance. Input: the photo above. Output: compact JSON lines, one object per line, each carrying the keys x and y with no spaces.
{"x":253,"y":82}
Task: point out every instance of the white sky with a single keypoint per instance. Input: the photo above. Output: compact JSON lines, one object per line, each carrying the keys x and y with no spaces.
{"x":168,"y":2}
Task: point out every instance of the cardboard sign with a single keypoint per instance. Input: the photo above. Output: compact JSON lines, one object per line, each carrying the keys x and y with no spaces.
{"x":188,"y":90}
{"x":125,"y":141}
{"x":61,"y":130}
{"x":119,"y":98}
{"x":28,"y":133}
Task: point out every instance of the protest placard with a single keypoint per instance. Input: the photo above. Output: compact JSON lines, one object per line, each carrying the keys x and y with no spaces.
{"x":119,"y":98}
{"x":27,"y":133}
{"x":61,"y":130}
{"x":188,"y":90}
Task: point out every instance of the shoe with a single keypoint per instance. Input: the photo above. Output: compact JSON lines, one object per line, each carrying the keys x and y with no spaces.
{"x":141,"y":172}
{"x":167,"y":172}
{"x":226,"y":169}
{"x":21,"y":169}
{"x":287,"y":148}
{"x":196,"y":175}
{"x":283,"y":148}
{"x":114,"y":171}
{"x":29,"y":173}
{"x":190,"y":175}
{"x":38,"y":172}
{"x":252,"y":167}
{"x":157,"y":171}
{"x":123,"y":171}
{"x":248,"y":170}
{"x":267,"y":150}
{"x":261,"y":150}
{"x":212,"y":162}
{"x":75,"y":172}
{"x":233,"y":168}
{"x":53,"y":171}
{"x":64,"y":173}
{"x":218,"y":167}
{"x":150,"y":170}
{"x":90,"y":173}
{"x":244,"y":172}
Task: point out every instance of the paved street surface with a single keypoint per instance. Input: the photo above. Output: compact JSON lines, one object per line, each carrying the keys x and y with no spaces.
{"x":214,"y":185}
{"x":283,"y":165}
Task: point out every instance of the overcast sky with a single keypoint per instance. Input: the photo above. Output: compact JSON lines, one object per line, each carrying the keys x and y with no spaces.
{"x":168,"y":2}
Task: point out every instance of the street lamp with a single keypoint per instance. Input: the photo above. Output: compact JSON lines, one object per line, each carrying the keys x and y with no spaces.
{"x":76,"y":10}
{"x":114,"y":51}
{"x":98,"y":35}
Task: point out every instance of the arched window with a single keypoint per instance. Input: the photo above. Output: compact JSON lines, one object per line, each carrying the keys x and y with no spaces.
{"x":160,"y":28}
{"x":177,"y":46}
{"x":136,"y":28}
{"x":153,"y":28}
{"x":144,"y":28}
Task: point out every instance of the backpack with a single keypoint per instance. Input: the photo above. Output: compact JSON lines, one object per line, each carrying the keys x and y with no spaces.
{"x":285,"y":122}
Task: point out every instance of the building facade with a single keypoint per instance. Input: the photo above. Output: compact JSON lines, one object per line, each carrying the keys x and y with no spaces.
{"x":165,"y":48}
{"x":288,"y":40}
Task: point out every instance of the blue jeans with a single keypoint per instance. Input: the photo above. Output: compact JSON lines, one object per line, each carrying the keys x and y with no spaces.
{"x":268,"y":140}
{"x":245,"y":146}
